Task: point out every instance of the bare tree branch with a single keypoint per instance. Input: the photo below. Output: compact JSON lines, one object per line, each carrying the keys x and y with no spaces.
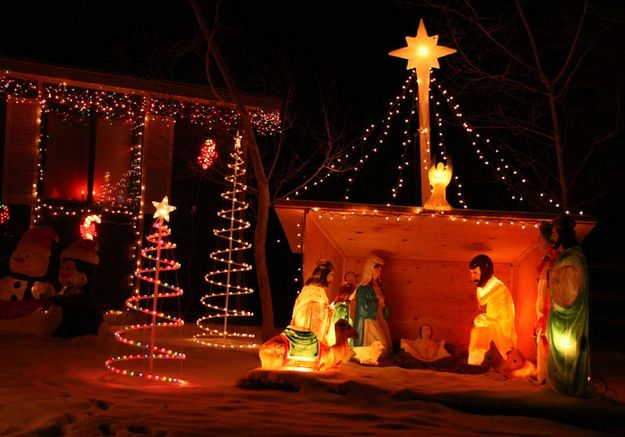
{"x":574,"y":43}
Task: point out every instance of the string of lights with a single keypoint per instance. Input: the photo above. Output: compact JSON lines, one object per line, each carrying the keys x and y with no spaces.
{"x":376,"y":136}
{"x":491,"y":157}
{"x":146,"y":302}
{"x":409,"y":214}
{"x":376,"y":142}
{"x":373,"y":139}
{"x":443,"y":151}
{"x":88,"y":229}
{"x":77,"y":101}
{"x":223,"y":278}
{"x":18,"y":88}
{"x":4,"y":213}
{"x":409,"y":139}
{"x":208,"y":154}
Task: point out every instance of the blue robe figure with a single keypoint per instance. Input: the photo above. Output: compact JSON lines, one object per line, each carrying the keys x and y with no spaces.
{"x":371,"y":311}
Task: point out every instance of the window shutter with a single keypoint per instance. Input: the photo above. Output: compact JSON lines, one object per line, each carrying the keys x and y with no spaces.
{"x":21,"y":151}
{"x":158,"y":147}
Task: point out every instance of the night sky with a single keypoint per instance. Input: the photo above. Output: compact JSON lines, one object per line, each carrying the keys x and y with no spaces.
{"x":335,"y":51}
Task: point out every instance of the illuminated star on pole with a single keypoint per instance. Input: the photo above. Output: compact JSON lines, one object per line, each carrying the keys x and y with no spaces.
{"x":422,"y":53}
{"x":163,"y":208}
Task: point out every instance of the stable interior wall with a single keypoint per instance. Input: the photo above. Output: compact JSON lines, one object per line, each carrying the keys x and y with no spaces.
{"x":439,"y":293}
{"x":524,"y":290}
{"x":318,"y":245}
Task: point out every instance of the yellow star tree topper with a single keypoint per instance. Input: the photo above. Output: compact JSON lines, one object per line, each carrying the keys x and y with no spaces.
{"x":422,"y":53}
{"x":163,"y":208}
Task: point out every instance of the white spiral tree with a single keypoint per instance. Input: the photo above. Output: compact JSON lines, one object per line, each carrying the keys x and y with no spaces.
{"x":228,"y":265}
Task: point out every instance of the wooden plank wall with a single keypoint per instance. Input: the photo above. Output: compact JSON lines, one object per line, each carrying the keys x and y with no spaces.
{"x":525,"y":288}
{"x":439,"y":293}
{"x":318,"y":245}
{"x":435,"y":292}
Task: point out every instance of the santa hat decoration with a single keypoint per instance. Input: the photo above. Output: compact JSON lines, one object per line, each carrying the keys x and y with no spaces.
{"x":82,"y":250}
{"x":40,"y":237}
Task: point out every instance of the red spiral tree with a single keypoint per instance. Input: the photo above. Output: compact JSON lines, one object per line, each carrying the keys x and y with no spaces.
{"x":153,"y":286}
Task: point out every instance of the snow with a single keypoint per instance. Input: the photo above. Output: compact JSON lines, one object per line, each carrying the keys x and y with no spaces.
{"x":54,"y":387}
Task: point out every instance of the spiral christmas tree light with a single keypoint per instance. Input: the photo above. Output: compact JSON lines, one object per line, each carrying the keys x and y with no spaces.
{"x":151,"y":274}
{"x":227,"y":267}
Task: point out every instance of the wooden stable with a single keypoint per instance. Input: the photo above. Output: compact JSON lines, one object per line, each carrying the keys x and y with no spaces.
{"x":426,"y":276}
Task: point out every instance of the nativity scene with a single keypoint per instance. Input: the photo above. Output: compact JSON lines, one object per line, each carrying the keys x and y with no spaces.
{"x":413,"y":271}
{"x":432,"y":254}
{"x":316,"y":277}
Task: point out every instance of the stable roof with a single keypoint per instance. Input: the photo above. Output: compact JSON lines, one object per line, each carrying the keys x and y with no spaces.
{"x":405,"y":232}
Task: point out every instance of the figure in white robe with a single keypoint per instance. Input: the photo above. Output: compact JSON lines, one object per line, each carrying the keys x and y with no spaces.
{"x":496,"y":324}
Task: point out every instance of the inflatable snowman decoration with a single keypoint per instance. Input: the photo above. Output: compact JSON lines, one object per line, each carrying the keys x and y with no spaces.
{"x":25,"y":288}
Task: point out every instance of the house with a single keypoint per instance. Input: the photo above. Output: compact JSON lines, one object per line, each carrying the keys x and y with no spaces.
{"x":426,"y":275}
{"x":75,"y":142}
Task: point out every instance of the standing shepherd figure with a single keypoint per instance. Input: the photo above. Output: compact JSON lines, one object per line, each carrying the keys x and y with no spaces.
{"x":567,"y":325}
{"x":543,"y":303}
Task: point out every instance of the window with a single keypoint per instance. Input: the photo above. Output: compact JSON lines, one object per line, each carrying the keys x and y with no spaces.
{"x":112,"y":175}
{"x":66,"y":165}
{"x":86,"y":154}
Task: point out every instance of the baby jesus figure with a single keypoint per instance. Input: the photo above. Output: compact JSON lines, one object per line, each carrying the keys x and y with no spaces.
{"x":424,"y":348}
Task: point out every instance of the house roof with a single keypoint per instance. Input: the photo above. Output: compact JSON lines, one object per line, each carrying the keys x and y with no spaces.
{"x":126,"y":84}
{"x":412,"y":233}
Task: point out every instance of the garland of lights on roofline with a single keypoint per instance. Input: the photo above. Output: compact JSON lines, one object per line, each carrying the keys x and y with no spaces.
{"x":66,"y":99}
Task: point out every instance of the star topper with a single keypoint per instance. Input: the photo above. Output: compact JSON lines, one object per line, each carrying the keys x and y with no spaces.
{"x":422,"y":50}
{"x":163,"y":208}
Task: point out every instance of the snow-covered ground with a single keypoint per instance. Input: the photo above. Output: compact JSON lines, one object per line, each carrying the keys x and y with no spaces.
{"x":55,"y":387}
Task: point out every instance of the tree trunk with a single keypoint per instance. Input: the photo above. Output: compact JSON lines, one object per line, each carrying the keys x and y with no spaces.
{"x":260,"y":256}
{"x":260,"y":232}
{"x":557,"y":141}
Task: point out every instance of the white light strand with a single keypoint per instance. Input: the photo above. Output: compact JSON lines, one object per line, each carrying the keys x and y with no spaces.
{"x":372,"y":140}
{"x":404,"y":163}
{"x":501,"y":169}
{"x":378,"y":142}
{"x":408,"y":217}
{"x":223,"y":278}
{"x":443,"y":151}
